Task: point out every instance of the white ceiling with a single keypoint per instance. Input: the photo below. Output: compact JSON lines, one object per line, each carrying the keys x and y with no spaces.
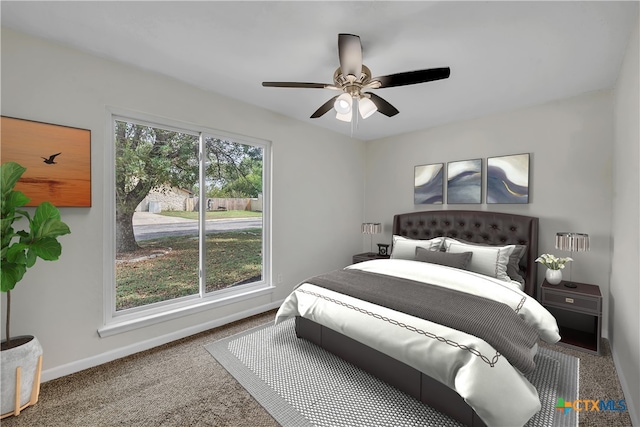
{"x":503,"y":55}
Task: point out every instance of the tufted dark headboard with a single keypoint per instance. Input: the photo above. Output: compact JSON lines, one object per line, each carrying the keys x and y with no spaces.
{"x":492,"y":228}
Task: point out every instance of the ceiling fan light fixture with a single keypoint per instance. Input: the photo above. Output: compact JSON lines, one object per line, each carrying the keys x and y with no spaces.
{"x":343,"y":104}
{"x":352,"y":77}
{"x":346,"y":117}
{"x":366,"y":107}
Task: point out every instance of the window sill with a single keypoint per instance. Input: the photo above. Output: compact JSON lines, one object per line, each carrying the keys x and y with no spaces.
{"x":122,"y":324}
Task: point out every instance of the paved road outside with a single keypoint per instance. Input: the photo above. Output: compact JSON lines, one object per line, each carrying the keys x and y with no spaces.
{"x":148,"y":226}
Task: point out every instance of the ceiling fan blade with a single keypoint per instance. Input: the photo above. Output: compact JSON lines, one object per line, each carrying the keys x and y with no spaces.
{"x":413,"y":77}
{"x":383,"y":106}
{"x":324,"y":108}
{"x":350,"y":54}
{"x":298,"y":85}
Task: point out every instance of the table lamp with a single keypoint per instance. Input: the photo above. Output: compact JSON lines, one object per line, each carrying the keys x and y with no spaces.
{"x":371,"y":228}
{"x":574,"y":242}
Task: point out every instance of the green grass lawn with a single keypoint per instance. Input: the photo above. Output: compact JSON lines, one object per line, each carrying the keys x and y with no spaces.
{"x":232,"y":257}
{"x":213,"y":215}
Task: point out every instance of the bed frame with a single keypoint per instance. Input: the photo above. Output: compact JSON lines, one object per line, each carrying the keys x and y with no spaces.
{"x":490,"y":228}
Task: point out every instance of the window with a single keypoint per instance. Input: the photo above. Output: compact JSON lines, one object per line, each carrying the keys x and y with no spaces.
{"x":189,"y":220}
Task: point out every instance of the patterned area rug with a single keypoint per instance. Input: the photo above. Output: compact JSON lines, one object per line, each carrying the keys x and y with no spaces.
{"x":300,"y":384}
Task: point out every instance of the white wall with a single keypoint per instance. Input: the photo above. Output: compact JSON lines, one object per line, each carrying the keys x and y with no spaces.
{"x":570,"y":172}
{"x":624,"y":292}
{"x":62,"y":302}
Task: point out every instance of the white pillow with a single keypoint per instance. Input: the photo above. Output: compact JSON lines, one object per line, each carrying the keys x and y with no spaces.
{"x":404,"y":248}
{"x":513,"y":266}
{"x":488,"y":260}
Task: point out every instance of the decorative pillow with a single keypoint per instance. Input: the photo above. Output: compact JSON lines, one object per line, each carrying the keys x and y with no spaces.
{"x":488,"y":260}
{"x":460,"y":260}
{"x":404,"y":248}
{"x":513,"y":267}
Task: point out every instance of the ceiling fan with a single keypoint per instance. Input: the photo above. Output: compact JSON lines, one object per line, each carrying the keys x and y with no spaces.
{"x":352,"y":78}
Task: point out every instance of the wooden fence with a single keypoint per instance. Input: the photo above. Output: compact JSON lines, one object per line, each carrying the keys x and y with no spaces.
{"x":224,"y":204}
{"x":228,"y":204}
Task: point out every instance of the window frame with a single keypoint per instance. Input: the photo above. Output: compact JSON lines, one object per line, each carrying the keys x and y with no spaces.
{"x":115,"y":322}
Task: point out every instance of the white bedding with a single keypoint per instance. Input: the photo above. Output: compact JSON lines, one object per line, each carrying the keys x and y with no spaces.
{"x":499,"y":394}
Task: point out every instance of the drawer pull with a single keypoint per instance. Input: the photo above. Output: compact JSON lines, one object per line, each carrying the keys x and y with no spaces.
{"x":569,"y":300}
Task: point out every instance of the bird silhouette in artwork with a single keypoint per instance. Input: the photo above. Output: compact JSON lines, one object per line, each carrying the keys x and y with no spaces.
{"x":50,"y":161}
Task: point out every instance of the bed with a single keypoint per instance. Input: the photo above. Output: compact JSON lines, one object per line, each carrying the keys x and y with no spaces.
{"x":450,"y":370}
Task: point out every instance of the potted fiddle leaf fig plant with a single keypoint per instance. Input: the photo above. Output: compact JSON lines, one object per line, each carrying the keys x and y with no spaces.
{"x":21,"y":356}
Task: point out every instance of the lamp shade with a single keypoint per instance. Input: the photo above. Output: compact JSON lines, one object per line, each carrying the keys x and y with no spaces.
{"x":346,"y":117}
{"x":343,"y":104}
{"x":574,"y":242}
{"x":366,"y":107}
{"x":371,"y":228}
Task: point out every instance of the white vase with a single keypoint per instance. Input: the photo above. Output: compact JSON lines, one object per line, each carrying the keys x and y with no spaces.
{"x":553,"y":276}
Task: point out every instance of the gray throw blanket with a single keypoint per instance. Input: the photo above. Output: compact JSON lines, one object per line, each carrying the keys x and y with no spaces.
{"x":494,"y":322}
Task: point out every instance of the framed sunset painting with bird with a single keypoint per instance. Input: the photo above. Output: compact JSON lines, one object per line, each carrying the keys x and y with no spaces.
{"x":57,"y":158}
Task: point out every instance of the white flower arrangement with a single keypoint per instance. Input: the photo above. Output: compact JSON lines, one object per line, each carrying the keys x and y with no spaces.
{"x":552,"y":262}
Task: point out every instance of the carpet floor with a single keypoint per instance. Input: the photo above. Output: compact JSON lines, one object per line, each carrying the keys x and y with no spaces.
{"x":180,"y":384}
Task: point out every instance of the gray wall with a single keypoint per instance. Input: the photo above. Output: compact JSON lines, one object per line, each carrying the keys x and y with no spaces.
{"x":62,"y":302}
{"x":624,"y":290}
{"x":570,"y":172}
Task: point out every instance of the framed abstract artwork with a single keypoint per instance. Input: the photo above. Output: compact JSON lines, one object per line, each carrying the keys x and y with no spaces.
{"x":57,"y":158}
{"x":508,"y":179}
{"x":464,"y":181}
{"x":428,"y":187}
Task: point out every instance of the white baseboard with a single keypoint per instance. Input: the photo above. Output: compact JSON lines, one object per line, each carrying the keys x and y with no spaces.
{"x":79,"y":365}
{"x":633,"y":414}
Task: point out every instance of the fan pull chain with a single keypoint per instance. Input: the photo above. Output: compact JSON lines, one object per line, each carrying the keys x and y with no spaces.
{"x":354,"y":116}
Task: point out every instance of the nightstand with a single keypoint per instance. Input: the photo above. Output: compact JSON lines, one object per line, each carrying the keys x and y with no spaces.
{"x":578,"y":312}
{"x":368,"y":256}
